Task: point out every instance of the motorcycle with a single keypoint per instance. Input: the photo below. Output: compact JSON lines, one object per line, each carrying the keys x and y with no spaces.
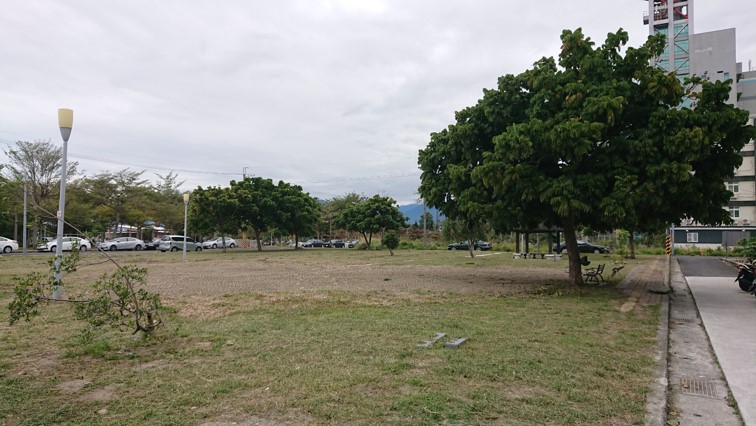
{"x":746,"y":278}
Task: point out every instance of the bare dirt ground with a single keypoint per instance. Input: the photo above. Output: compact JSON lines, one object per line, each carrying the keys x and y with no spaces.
{"x":237,"y":277}
{"x":218,"y":277}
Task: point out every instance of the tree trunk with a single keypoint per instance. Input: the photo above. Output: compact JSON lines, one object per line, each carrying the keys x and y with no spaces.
{"x":573,"y":255}
{"x":471,"y":247}
{"x":631,"y":242}
{"x":391,"y":251}
{"x":257,"y":238}
{"x":368,"y":239}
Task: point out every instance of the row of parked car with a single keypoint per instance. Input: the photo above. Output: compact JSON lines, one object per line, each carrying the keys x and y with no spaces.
{"x":166,"y":243}
{"x":331,"y":243}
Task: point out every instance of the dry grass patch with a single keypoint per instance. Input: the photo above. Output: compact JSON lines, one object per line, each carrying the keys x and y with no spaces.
{"x":234,"y":352}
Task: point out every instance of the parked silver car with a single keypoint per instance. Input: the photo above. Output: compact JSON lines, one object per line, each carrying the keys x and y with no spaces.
{"x":68,"y":242}
{"x":176,"y":243}
{"x":122,"y":243}
{"x":218,"y":242}
{"x":7,"y":245}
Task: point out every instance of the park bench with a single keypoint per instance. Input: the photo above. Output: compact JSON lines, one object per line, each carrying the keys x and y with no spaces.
{"x":594,"y":274}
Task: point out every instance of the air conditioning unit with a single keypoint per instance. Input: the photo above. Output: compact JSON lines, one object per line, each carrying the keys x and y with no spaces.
{"x":746,"y":222}
{"x":736,"y":222}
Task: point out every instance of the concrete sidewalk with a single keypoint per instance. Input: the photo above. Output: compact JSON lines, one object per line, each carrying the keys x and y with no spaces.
{"x":689,"y":387}
{"x":729,"y":316}
{"x":698,"y":389}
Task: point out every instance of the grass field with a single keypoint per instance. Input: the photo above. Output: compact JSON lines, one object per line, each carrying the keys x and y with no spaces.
{"x":332,"y":351}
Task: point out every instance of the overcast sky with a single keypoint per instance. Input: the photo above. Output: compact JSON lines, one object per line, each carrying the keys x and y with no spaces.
{"x":337,"y":96}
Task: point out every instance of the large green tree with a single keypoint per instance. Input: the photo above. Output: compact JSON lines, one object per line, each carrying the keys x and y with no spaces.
{"x":123,"y":193}
{"x":373,"y":215}
{"x":332,"y":209}
{"x":165,"y":205}
{"x":298,"y":212}
{"x":37,"y":165}
{"x":257,"y":205}
{"x":214,"y":209}
{"x":595,"y":140}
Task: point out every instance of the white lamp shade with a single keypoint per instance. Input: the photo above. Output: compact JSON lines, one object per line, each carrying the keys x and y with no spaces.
{"x":65,"y":118}
{"x":186,"y":197}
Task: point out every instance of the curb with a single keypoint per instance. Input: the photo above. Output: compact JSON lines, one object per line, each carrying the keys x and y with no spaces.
{"x":656,"y":401}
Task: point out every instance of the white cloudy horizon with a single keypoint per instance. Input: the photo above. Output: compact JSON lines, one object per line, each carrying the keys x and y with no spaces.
{"x":337,"y":96}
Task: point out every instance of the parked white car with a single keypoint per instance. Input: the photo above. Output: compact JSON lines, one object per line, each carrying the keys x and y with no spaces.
{"x":68,"y":242}
{"x":218,"y":242}
{"x":122,"y":243}
{"x":7,"y":245}
{"x":176,"y":243}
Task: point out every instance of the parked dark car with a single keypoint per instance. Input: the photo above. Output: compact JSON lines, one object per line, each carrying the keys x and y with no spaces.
{"x":463,"y":245}
{"x":483,"y":245}
{"x":315,"y":243}
{"x":583,"y":247}
{"x":338,"y":243}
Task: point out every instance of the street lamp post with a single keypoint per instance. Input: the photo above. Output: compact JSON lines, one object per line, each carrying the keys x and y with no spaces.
{"x":24,"y":233}
{"x":65,"y":122}
{"x":186,"y":204}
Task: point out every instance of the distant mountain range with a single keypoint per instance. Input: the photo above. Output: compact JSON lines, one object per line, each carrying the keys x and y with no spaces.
{"x":414,"y":213}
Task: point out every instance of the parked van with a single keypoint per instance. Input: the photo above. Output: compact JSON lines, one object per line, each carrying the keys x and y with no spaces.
{"x":176,"y":243}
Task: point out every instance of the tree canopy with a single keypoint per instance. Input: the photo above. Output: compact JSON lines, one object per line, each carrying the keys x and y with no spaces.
{"x":258,"y":205}
{"x":298,"y":212}
{"x":597,"y":139}
{"x":370,"y":216}
{"x":214,"y":209}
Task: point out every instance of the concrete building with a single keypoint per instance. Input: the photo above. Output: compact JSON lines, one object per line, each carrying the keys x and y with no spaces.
{"x":711,"y":55}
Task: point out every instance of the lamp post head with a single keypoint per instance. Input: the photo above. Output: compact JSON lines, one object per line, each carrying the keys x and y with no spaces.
{"x":65,"y":122}
{"x":186,"y":198}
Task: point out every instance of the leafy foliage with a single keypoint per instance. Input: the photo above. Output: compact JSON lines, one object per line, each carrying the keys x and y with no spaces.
{"x":373,"y":215}
{"x":214,"y":209}
{"x":298,"y":212}
{"x":391,"y":241}
{"x":257,"y":198}
{"x":594,"y":140}
{"x":747,"y":248}
{"x":116,"y":300}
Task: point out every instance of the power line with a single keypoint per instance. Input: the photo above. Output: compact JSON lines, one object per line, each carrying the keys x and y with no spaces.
{"x":123,"y":163}
{"x":150,"y":167}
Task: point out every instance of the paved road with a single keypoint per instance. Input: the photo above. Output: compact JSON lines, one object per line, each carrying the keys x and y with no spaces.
{"x":729,"y":316}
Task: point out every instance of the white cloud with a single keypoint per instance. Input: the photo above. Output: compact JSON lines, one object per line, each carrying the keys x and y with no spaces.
{"x":335,"y":95}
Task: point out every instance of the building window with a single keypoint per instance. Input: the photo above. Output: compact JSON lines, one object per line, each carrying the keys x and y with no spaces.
{"x":661,"y":30}
{"x":735,"y":212}
{"x":733,"y":187}
{"x":692,"y":237}
{"x":681,"y":47}
{"x":681,"y":29}
{"x":726,"y":76}
{"x":682,"y":64}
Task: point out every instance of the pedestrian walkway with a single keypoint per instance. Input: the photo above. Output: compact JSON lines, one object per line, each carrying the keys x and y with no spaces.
{"x":698,"y":389}
{"x":688,"y":386}
{"x":644,"y":284}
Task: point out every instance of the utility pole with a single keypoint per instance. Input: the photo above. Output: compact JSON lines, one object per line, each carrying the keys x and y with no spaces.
{"x":244,"y":172}
{"x":24,"y":230}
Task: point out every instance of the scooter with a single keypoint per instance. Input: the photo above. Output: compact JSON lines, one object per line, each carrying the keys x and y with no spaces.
{"x":746,"y":276}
